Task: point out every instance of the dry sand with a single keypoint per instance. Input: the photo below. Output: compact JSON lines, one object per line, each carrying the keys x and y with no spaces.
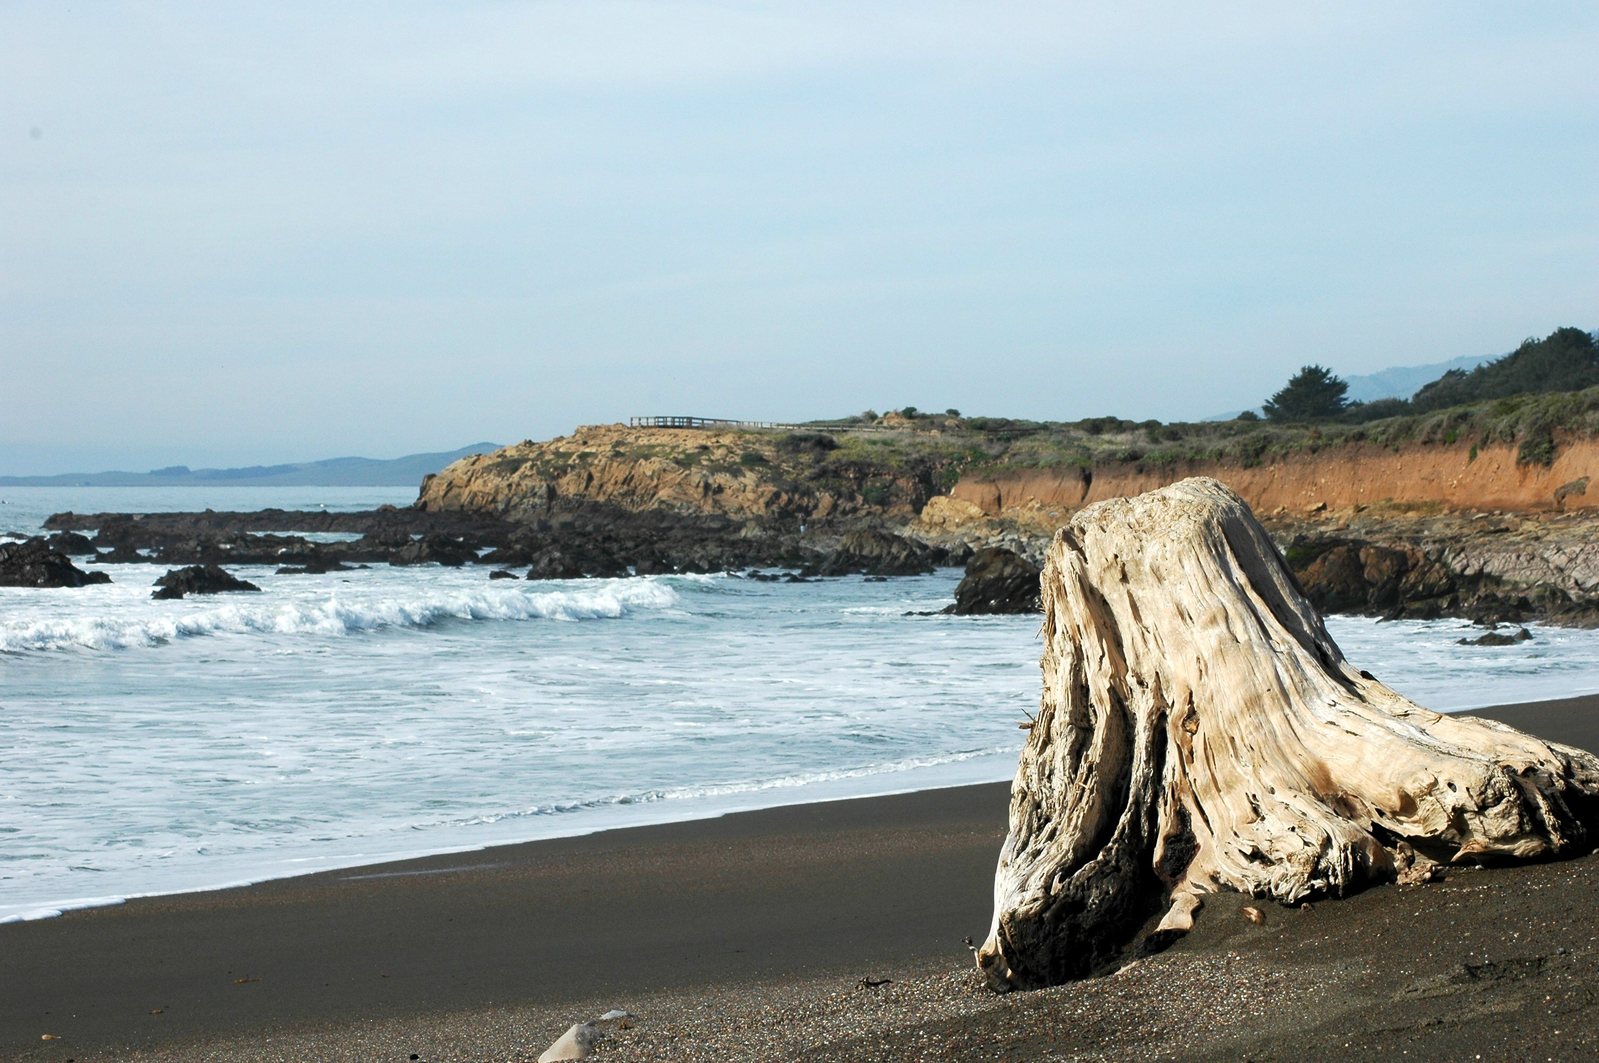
{"x":747,"y":938}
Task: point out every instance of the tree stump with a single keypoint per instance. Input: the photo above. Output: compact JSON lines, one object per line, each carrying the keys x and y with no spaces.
{"x":1199,"y":730}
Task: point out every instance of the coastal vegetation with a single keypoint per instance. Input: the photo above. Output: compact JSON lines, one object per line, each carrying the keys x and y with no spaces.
{"x":1544,"y":392}
{"x":1564,"y":361}
{"x":1536,"y":422}
{"x":1312,"y":394}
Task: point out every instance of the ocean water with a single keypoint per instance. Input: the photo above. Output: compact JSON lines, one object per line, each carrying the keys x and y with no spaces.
{"x":23,"y":509}
{"x":342,"y":719}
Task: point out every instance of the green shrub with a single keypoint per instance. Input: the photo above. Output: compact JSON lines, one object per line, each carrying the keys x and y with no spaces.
{"x":1538,"y":447}
{"x":1565,"y":360}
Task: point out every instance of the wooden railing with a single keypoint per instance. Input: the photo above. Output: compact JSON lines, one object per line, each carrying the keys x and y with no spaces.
{"x":701,"y":422}
{"x":722,"y":422}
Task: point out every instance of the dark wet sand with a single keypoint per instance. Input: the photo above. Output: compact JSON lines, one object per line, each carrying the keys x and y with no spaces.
{"x":745,"y":937}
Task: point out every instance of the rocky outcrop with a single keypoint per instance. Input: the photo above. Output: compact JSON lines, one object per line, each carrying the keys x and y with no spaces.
{"x":997,"y":581}
{"x":35,"y":563}
{"x":572,"y":541}
{"x":944,"y":513}
{"x":1344,"y":576}
{"x":878,"y":553}
{"x":208,"y":523}
{"x":1404,"y":582}
{"x":121,"y":554}
{"x":434,"y":549}
{"x":1485,"y":567}
{"x":576,"y":560}
{"x":793,"y":478}
{"x":1498,"y":638}
{"x":199,"y":579}
{"x":1200,"y":731}
{"x":73,"y":544}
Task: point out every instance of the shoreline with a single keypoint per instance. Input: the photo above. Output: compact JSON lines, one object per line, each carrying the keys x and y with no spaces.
{"x":506,"y":946}
{"x":705,"y":808}
{"x":946,"y":776}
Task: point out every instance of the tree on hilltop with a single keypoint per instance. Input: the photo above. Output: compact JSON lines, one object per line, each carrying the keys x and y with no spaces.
{"x":1312,"y":394}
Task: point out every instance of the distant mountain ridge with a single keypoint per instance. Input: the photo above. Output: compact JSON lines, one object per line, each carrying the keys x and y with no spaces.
{"x":405,"y":471}
{"x":1401,"y":382}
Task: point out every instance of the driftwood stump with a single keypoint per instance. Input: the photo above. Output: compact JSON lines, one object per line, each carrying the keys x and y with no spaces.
{"x":1199,"y":730}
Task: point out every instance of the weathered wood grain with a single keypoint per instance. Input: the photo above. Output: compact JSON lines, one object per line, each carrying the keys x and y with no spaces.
{"x":1199,"y":730}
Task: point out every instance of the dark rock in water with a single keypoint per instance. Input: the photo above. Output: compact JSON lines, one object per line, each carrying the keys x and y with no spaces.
{"x":554,"y":563}
{"x":588,"y":539}
{"x":72,"y":543}
{"x":578,"y":557}
{"x":506,"y":557}
{"x":514,"y":550}
{"x":1355,"y":576}
{"x":500,"y":573}
{"x":1404,"y":581}
{"x":997,"y":581}
{"x":650,"y":565}
{"x":121,"y":554}
{"x":441,"y":549}
{"x":1499,"y":638}
{"x":878,"y":553}
{"x":199,"y":579}
{"x":576,"y":561}
{"x":33,"y":563}
{"x":611,"y":569}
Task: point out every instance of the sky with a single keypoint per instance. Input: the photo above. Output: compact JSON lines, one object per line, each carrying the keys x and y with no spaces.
{"x":257,"y":233}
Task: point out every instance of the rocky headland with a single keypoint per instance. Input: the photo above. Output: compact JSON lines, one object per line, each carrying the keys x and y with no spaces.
{"x":1369,"y":523}
{"x":1481,"y":511}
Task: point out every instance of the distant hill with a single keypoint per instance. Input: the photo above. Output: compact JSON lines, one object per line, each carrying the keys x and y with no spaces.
{"x":330,"y":472}
{"x":1401,"y":382}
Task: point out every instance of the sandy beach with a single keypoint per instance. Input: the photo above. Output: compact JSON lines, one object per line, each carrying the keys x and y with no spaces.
{"x":749,"y":937}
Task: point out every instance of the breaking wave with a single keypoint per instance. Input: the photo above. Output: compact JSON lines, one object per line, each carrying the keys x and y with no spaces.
{"x":336,"y":616}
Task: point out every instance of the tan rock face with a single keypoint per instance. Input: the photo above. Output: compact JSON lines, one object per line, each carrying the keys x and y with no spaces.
{"x":947,"y":512}
{"x":1200,"y":730}
{"x":742,"y":474}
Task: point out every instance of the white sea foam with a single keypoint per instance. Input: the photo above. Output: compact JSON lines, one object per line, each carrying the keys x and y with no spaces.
{"x":335,"y":615}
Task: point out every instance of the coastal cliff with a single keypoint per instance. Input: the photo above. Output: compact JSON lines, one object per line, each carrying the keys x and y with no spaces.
{"x":1461,"y":477}
{"x":793,"y":477}
{"x":1458,"y":516}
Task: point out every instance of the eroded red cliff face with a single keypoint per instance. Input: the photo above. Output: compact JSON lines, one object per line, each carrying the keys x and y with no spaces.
{"x":1457,"y":478}
{"x":1424,"y":531}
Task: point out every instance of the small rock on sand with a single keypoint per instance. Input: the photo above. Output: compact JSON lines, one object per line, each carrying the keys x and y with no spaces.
{"x":575,"y":1043}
